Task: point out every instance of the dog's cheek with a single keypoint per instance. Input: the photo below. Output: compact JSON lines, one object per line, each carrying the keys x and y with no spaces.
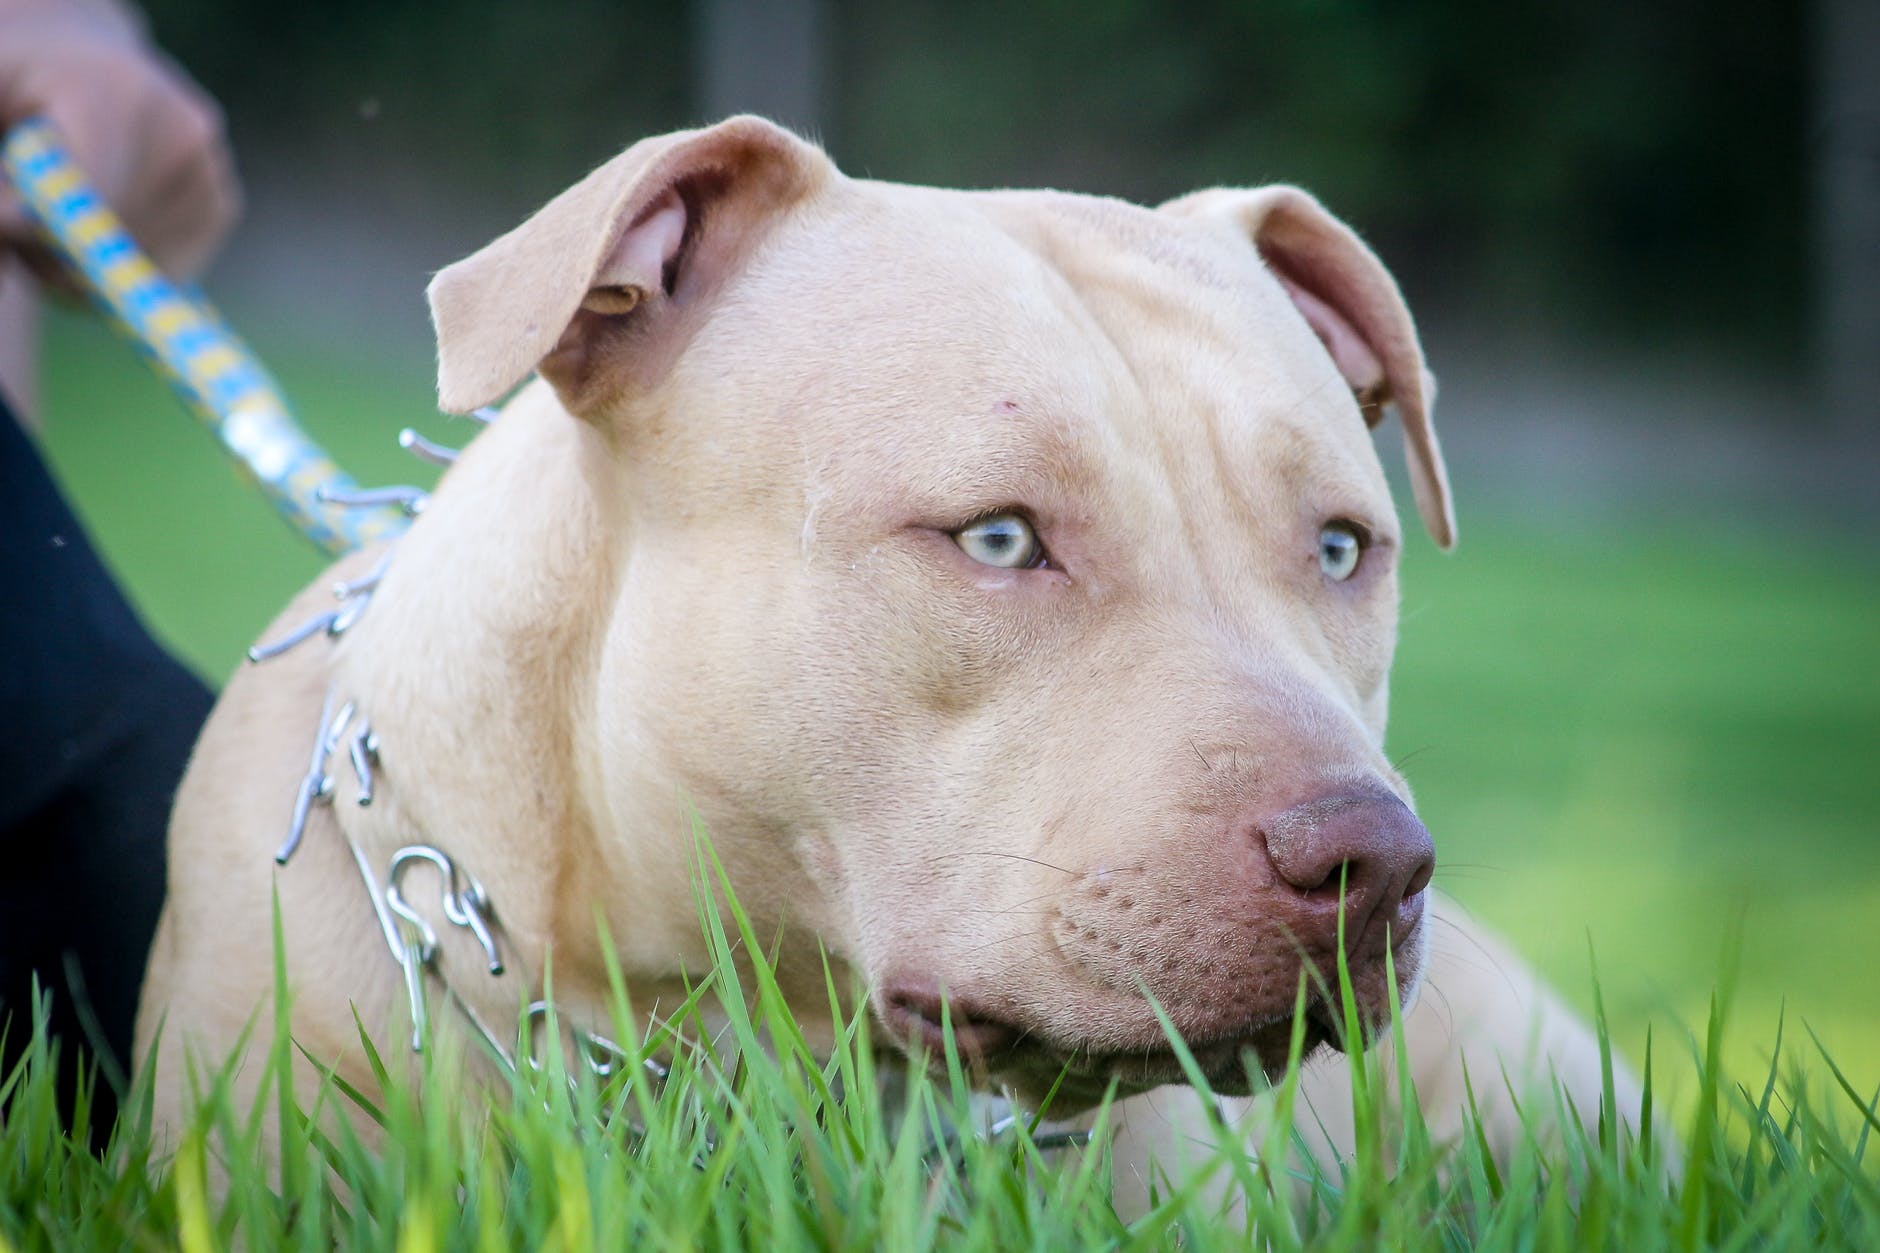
{"x":822,"y":864}
{"x":1411,"y":962}
{"x":1360,"y":633}
{"x":936,"y":648}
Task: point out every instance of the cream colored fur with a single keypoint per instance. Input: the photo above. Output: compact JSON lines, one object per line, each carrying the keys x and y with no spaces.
{"x":704,"y":567}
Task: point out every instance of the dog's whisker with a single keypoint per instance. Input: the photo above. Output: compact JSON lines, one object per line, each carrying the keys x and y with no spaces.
{"x":1447,"y":921}
{"x":1012,"y":968}
{"x":1018,"y":907}
{"x":1443,"y":1006}
{"x":1000,"y":941}
{"x":1483,"y":960}
{"x":1009,"y":911}
{"x":1063,"y":870}
{"x":1468,"y":874}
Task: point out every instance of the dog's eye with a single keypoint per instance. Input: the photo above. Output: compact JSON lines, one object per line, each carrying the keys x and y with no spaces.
{"x":1004,"y":540}
{"x":1341,"y":545}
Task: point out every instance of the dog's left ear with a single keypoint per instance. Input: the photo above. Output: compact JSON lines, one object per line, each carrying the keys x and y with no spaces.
{"x":606,"y":282}
{"x":1352,"y":304}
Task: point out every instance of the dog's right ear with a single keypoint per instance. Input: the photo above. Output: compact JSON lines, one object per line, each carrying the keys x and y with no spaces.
{"x":1352,"y":304}
{"x":618,"y":266}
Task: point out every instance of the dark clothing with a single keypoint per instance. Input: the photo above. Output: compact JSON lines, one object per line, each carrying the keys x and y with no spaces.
{"x":96,"y":724}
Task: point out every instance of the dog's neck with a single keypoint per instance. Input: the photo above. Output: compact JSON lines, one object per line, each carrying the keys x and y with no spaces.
{"x":500,"y":603}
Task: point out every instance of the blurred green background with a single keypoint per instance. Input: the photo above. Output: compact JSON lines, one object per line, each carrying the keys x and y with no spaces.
{"x":1639,"y":704}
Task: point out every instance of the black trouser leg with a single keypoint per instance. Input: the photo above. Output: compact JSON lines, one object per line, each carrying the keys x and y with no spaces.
{"x":96,"y":725}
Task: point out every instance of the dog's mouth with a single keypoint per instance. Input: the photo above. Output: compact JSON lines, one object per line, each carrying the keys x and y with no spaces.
{"x":1033,"y":1066}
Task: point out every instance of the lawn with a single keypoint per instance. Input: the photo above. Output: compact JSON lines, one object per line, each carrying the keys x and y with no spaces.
{"x":1653,"y":733}
{"x":749,"y":1139}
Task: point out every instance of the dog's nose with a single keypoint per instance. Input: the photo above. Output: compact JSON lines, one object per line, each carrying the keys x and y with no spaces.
{"x":1366,"y":847}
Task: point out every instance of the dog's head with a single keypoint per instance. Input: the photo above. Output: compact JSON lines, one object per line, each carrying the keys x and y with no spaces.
{"x":1007,"y":578}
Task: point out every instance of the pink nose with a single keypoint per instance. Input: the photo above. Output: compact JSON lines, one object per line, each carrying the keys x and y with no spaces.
{"x":1366,"y":847}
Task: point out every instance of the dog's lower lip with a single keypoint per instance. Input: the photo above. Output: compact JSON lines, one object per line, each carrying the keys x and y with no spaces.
{"x":922,"y":1020}
{"x":1221,"y":1060}
{"x":1325,"y":1023}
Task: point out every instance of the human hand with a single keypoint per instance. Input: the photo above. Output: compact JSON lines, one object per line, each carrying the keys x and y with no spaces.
{"x":148,"y":138}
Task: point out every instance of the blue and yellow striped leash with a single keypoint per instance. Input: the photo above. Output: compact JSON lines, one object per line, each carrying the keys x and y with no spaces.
{"x":184,"y":339}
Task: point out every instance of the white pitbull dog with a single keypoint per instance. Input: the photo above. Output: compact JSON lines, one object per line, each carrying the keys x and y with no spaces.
{"x":1006,"y":580}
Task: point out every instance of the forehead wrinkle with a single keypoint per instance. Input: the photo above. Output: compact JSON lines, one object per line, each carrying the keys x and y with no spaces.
{"x":995,"y":462}
{"x":1266,"y":369}
{"x":1242,"y":404}
{"x":1184,"y":384}
{"x":1003,"y":343}
{"x":1012,"y":428}
{"x":1084,"y":440}
{"x":1148,"y":454}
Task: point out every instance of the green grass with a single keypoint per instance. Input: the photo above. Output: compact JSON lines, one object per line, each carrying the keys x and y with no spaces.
{"x":1660,"y":735}
{"x":753,"y":1140}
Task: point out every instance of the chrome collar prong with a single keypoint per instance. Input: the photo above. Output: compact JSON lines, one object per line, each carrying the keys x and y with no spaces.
{"x":600,"y":1055}
{"x":426,"y":450}
{"x":1006,"y":1129}
{"x":410,"y":499}
{"x":363,"y":748}
{"x":408,"y":934}
{"x":316,"y":788}
{"x":306,"y":630}
{"x":356,"y":594}
{"x":466,"y":904}
{"x":333,"y":623}
{"x":365,"y":582}
{"x":348,"y":614}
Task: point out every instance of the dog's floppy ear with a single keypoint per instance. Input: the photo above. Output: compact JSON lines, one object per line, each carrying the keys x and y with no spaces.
{"x":1353,"y":306}
{"x":631,"y":250}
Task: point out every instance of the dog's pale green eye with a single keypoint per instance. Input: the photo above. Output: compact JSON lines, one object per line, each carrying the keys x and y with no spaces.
{"x":1004,"y":540}
{"x":1339,"y":550}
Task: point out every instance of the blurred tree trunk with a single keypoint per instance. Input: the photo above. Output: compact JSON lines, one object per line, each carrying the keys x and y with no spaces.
{"x":761,"y":56}
{"x":1846,"y":158}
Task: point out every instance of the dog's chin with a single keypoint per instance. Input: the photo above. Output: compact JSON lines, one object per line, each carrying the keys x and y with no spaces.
{"x":1067,"y":1078}
{"x":1240,"y":1065}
